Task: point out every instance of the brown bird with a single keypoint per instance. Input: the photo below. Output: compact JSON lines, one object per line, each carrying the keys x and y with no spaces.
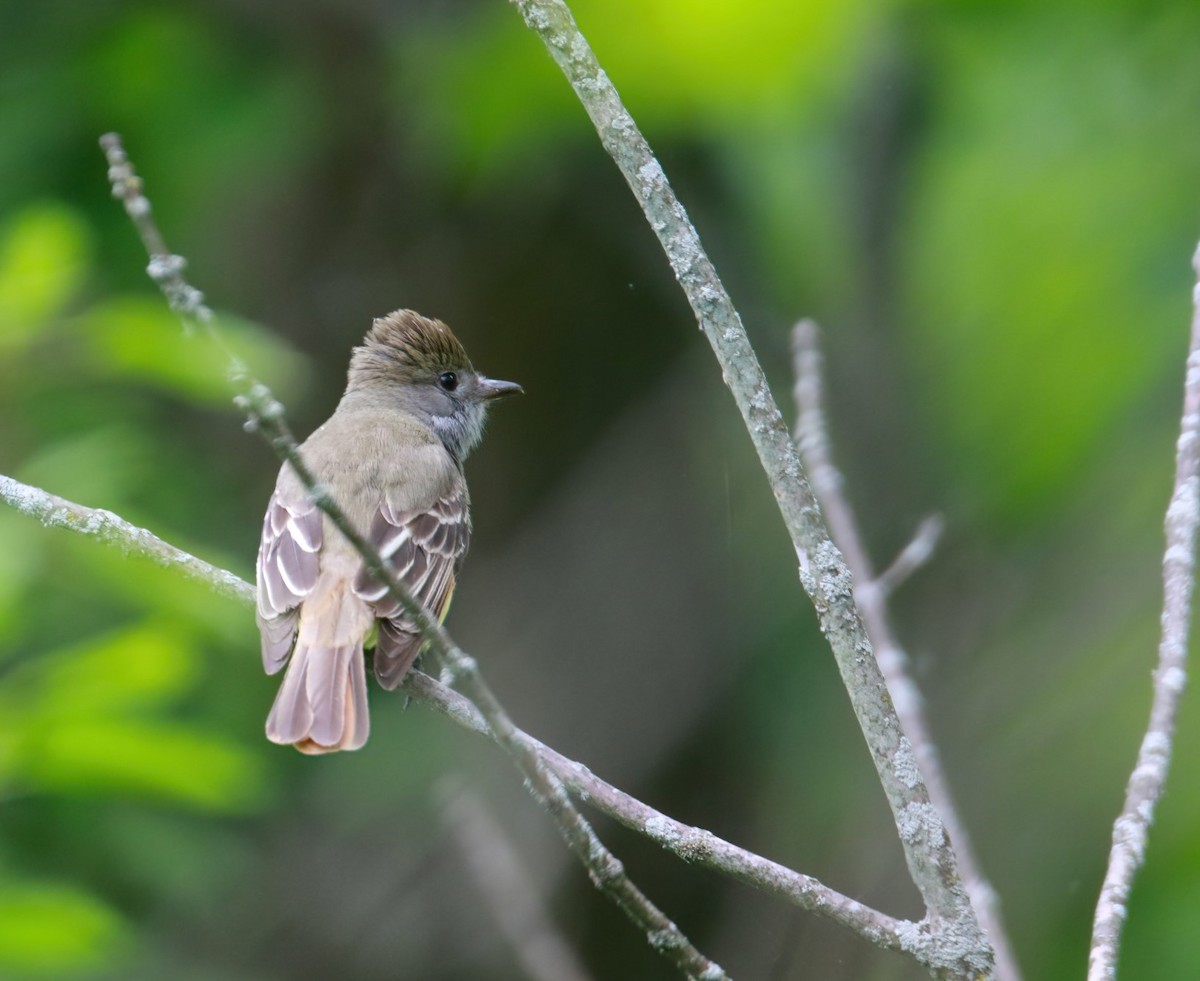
{"x":392,"y":456}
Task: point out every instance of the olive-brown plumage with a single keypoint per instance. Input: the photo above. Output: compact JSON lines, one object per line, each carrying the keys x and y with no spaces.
{"x":392,"y":455}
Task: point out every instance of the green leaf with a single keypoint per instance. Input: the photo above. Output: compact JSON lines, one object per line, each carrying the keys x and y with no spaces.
{"x":1047,"y":275}
{"x":77,"y":724}
{"x":137,"y":668}
{"x":140,"y":339}
{"x":681,"y":65}
{"x":43,"y":258}
{"x":158,"y":759}
{"x":56,"y":930}
{"x":104,"y":463}
{"x":21,"y":561}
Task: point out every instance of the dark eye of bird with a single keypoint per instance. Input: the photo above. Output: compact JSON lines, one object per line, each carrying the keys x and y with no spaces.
{"x":448,"y":380}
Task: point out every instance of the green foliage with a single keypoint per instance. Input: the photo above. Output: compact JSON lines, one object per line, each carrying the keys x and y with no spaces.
{"x":55,"y":931}
{"x":1047,"y":202}
{"x":681,"y":67}
{"x":116,"y":708}
{"x":83,"y":719}
{"x":44,"y":252}
{"x":137,"y":339}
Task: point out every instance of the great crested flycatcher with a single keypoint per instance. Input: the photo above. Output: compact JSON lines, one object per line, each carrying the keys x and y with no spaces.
{"x":392,"y":456}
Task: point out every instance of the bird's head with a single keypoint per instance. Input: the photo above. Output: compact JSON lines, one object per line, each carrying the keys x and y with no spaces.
{"x":420,"y":364}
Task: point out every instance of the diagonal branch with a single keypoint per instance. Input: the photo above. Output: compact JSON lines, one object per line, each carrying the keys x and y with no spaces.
{"x":914,"y":555}
{"x":1154,"y":758}
{"x":870,"y":593}
{"x":823,"y":572}
{"x":111,"y":529}
{"x":265,"y":414}
{"x":507,"y":889}
{"x":694,"y":845}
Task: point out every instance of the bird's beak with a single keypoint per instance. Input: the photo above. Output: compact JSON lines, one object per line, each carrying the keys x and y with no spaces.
{"x":492,"y":389}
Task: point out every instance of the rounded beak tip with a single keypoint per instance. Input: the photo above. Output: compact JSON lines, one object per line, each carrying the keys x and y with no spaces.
{"x":496,"y":389}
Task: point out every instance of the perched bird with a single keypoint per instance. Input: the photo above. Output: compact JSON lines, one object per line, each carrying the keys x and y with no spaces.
{"x":392,"y":456}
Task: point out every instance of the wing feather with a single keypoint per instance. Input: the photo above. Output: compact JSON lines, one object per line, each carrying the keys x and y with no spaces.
{"x":425,"y":550}
{"x":287,"y":570}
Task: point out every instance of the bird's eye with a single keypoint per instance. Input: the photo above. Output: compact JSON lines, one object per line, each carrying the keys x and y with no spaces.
{"x":448,"y":380}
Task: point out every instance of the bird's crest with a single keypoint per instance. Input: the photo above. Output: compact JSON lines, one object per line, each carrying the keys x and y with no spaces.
{"x":404,"y":346}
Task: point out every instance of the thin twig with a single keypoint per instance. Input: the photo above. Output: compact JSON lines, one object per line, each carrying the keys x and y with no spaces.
{"x":825,"y":576}
{"x":812,"y":438}
{"x":1154,"y":758}
{"x":165,"y":268}
{"x":694,"y":845}
{"x":507,"y":889}
{"x":265,"y":414}
{"x":914,"y":555}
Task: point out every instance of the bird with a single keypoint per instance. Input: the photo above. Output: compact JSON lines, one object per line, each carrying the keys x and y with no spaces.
{"x":391,"y":456}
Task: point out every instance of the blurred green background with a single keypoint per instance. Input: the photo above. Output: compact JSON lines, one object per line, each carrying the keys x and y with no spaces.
{"x":991,"y":208}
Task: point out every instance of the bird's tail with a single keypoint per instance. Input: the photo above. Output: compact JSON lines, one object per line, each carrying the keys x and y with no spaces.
{"x":322,"y":704}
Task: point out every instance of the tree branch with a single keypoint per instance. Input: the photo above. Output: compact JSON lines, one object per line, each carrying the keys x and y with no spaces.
{"x":870,"y":593}
{"x":1149,"y":776}
{"x":914,"y":555}
{"x":507,"y":890}
{"x":266,"y":415}
{"x":694,"y":845}
{"x":111,"y":529}
{"x":823,"y":572}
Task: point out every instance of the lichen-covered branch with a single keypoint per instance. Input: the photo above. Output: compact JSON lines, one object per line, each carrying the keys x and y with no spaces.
{"x":265,"y":414}
{"x":1154,"y":757}
{"x":870,"y":592}
{"x":694,"y":845}
{"x":823,"y":572}
{"x":111,"y":529}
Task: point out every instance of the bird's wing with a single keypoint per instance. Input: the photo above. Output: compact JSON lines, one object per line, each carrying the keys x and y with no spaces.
{"x":287,"y":570}
{"x":425,"y":548}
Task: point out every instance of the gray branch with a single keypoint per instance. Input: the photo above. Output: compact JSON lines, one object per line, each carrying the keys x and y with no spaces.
{"x":914,"y":555}
{"x":266,"y":416}
{"x":1154,"y":758}
{"x":823,"y":572}
{"x":694,"y":845}
{"x":111,"y":529}
{"x":507,"y":888}
{"x":870,"y":592}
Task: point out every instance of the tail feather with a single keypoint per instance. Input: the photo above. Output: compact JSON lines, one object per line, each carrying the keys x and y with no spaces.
{"x":327,"y":687}
{"x":322,"y":704}
{"x":291,"y":716}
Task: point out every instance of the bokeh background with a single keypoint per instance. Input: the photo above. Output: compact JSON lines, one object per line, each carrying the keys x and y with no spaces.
{"x":990,"y":207}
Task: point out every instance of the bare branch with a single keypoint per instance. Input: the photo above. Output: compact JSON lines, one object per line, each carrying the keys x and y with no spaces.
{"x":694,"y":845}
{"x":823,"y":572}
{"x":812,"y":438}
{"x":1154,"y":758}
{"x":914,"y":555}
{"x":56,"y":512}
{"x":507,"y":889}
{"x":266,"y":415}
{"x":165,"y":269}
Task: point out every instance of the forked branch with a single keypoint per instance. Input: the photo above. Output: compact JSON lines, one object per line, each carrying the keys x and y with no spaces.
{"x":870,"y":593}
{"x":823,"y":572}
